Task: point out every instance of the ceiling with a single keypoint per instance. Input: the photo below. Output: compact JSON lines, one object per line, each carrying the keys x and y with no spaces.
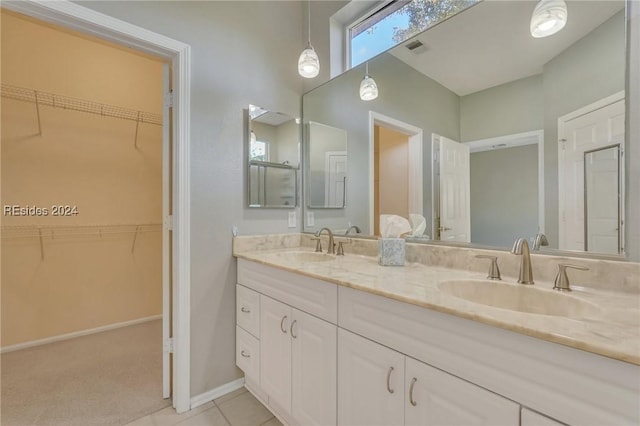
{"x":490,"y":44}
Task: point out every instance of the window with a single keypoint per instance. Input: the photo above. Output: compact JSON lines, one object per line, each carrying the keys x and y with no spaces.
{"x":259,"y":150}
{"x":394,"y":22}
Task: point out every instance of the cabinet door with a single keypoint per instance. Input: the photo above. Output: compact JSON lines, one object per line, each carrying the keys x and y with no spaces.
{"x":531,"y":418}
{"x":434,"y":397}
{"x":314,"y":370}
{"x":370,"y":382}
{"x":275,"y":352}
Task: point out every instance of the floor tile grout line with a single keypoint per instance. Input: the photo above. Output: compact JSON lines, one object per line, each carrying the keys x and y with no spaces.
{"x":220,"y":409}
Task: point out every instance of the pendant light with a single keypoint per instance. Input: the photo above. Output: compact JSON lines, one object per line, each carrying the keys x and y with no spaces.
{"x":308,"y":63}
{"x":549,"y":17}
{"x":368,"y":86}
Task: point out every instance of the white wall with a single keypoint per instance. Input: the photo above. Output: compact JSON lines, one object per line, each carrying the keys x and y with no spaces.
{"x":242,"y":53}
{"x":633,"y":132}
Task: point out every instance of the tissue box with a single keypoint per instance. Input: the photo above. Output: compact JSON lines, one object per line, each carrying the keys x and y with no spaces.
{"x":391,"y":251}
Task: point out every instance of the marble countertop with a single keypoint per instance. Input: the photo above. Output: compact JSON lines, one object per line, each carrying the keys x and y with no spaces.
{"x":611,"y":329}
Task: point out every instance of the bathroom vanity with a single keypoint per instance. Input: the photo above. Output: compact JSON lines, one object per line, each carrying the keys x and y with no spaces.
{"x":341,"y":340}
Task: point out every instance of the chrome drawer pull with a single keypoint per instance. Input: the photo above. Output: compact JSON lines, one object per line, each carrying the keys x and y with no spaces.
{"x":284,"y":330}
{"x":245,"y":310}
{"x":413,"y":383}
{"x":388,"y":379}
{"x":244,"y":354}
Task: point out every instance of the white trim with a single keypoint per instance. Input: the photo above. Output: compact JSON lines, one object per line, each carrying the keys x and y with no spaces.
{"x":519,"y":139}
{"x":415,"y":171}
{"x":212,"y":394}
{"x":618,"y":96}
{"x":73,"y":335}
{"x":74,"y":16}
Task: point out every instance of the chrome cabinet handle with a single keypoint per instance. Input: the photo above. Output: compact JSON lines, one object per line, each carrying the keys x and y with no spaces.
{"x":413,"y":383}
{"x":388,"y":379}
{"x":244,"y":354}
{"x":245,"y":310}
{"x":284,"y":330}
{"x":291,"y":329}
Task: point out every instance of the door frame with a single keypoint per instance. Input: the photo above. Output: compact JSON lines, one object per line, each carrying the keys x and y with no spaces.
{"x":535,"y":137}
{"x":415,"y":171}
{"x":73,"y":16}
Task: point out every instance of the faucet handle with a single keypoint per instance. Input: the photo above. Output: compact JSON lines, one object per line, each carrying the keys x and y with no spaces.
{"x":318,"y":244}
{"x":494,"y":271}
{"x":562,"y":279}
{"x":340,"y":250}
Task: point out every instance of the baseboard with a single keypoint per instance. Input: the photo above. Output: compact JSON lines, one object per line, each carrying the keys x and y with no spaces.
{"x":75,"y":334}
{"x":212,"y":394}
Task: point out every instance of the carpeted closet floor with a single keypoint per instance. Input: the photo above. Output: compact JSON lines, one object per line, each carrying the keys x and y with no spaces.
{"x":109,"y":378}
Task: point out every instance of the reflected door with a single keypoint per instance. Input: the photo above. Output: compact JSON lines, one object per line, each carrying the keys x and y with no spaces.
{"x":335,"y":178}
{"x":602,"y":195}
{"x":455,"y":204}
{"x":593,"y":130}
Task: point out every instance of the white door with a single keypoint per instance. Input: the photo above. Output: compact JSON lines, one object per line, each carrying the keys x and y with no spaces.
{"x":335,"y":178}
{"x":434,"y":397}
{"x":275,"y":352}
{"x":370,"y":382}
{"x":167,"y":226}
{"x":602,"y":192}
{"x":589,"y":130}
{"x":455,"y":201}
{"x":314,"y":370}
{"x":531,"y":418}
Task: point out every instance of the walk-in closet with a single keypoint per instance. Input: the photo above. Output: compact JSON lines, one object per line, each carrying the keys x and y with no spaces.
{"x":81,"y":227}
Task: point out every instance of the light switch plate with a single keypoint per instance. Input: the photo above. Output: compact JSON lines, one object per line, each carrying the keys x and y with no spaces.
{"x":292,"y":219}
{"x":311,"y":220}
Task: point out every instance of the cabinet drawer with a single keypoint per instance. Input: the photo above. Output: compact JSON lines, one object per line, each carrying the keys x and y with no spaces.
{"x":248,"y":354}
{"x":248,"y":310}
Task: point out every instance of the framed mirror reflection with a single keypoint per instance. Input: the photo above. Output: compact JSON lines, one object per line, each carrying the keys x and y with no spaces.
{"x":273,"y":159}
{"x":507,"y":102}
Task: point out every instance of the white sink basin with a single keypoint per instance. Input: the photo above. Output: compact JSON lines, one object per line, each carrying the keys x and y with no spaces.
{"x":520,"y":298}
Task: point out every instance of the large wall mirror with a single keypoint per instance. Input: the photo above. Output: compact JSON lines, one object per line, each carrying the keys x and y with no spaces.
{"x":536,"y":124}
{"x":273,"y":148}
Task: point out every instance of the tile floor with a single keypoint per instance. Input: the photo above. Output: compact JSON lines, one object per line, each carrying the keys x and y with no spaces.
{"x":238,"y":408}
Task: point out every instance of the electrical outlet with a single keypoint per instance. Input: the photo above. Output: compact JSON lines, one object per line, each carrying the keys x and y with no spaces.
{"x":292,"y":219}
{"x":311,"y":220}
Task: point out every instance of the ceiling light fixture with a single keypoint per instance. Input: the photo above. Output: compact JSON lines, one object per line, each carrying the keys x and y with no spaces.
{"x":308,"y":63}
{"x":368,"y":86}
{"x":549,"y":17}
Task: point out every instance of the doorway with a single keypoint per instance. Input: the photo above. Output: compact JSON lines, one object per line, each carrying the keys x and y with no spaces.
{"x":177,"y":105}
{"x":395,"y":169}
{"x":451,"y":190}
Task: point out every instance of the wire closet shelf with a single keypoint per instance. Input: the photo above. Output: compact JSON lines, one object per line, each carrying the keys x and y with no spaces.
{"x":58,"y":101}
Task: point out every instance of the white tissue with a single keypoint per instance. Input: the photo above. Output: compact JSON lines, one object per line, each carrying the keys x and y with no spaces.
{"x":393,"y":226}
{"x":418,"y":224}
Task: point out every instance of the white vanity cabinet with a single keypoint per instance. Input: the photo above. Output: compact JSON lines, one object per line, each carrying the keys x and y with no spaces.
{"x":370,"y":382}
{"x":373,"y":360}
{"x":298,"y":363}
{"x":379,"y":386}
{"x":297,"y":349}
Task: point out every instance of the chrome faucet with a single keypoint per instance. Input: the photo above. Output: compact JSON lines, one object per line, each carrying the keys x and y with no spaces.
{"x":354,"y":227}
{"x":332,"y":246}
{"x":521,"y":248}
{"x":540,"y":240}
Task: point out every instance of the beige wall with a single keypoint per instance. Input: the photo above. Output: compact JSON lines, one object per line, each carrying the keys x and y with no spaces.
{"x":83,"y":160}
{"x":393,"y":172}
